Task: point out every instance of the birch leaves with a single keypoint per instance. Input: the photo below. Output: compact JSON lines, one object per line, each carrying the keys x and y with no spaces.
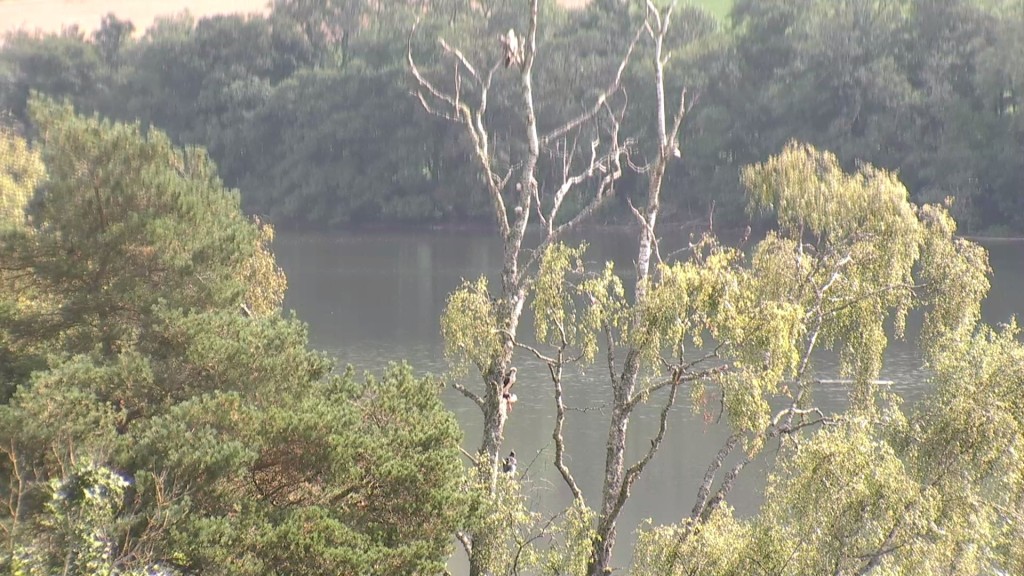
{"x":850,"y":258}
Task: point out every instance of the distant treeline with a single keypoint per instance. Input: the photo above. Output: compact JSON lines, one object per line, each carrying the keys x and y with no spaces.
{"x":311,"y":113}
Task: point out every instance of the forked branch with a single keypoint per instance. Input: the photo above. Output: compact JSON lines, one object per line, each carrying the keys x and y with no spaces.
{"x":704,"y":492}
{"x":601,"y":99}
{"x":560,"y":465}
{"x":634,"y":471}
{"x":451,"y":106}
{"x":469,"y":394}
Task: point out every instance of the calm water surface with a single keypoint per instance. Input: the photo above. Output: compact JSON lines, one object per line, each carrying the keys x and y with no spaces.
{"x":371,"y":299}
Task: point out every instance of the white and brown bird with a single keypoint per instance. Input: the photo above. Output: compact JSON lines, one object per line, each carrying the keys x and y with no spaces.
{"x":513,"y":50}
{"x":506,"y":389}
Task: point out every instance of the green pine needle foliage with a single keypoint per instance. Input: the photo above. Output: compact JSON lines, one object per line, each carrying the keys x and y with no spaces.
{"x":145,"y":362}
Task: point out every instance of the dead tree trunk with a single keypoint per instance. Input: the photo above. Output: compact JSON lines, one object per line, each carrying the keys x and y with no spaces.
{"x":518,"y":264}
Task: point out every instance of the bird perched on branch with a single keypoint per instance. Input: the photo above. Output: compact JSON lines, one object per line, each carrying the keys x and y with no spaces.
{"x":508,"y":465}
{"x":513,"y":49}
{"x":506,"y":389}
{"x":509,"y":381}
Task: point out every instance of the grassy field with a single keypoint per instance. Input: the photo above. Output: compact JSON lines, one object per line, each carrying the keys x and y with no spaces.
{"x":719,"y":8}
{"x":53,"y":15}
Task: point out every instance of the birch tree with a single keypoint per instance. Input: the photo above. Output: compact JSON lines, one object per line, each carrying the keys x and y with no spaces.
{"x":850,"y":259}
{"x":866,"y":490}
{"x":480,"y":330}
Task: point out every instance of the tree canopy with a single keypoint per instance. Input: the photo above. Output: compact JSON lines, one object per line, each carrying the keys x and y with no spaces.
{"x":160,"y":413}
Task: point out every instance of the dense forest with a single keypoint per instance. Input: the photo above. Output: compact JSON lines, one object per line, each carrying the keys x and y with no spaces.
{"x":310,"y":111}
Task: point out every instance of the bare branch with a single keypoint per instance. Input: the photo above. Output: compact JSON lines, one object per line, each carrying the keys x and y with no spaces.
{"x":886,"y":547}
{"x":611,"y":168}
{"x":560,"y":465}
{"x":601,"y":99}
{"x":597,"y":203}
{"x":540,"y":210}
{"x":650,"y":230}
{"x":462,"y":113}
{"x":531,"y":38}
{"x":568,"y":181}
{"x":431,"y":110}
{"x":727,"y":483}
{"x":835,"y":276}
{"x":871,"y":294}
{"x":709,"y":356}
{"x":508,"y":176}
{"x":610,"y":350}
{"x":634,"y":471}
{"x":677,"y":378}
{"x":639,"y":169}
{"x":598,"y":164}
{"x":681,"y":113}
{"x":652,"y":12}
{"x":709,"y":477}
{"x":811,"y":343}
{"x":429,"y":87}
{"x":469,"y":394}
{"x":460,"y":57}
{"x":529,"y":465}
{"x":539,"y":355}
{"x":773,"y":430}
{"x":659,"y":70}
{"x":467,"y":544}
{"x":521,"y":545}
{"x":471,"y":458}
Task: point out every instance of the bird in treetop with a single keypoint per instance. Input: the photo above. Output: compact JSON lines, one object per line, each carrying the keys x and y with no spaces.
{"x":513,"y":50}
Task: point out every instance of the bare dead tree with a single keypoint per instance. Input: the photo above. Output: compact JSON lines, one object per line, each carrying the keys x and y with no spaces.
{"x":601,"y":171}
{"x":516,"y":181}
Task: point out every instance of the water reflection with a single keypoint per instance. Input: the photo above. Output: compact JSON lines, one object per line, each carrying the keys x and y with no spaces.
{"x":371,"y":299}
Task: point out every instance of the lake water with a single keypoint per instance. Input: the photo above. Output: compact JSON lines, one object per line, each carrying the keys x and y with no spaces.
{"x":375,"y":298}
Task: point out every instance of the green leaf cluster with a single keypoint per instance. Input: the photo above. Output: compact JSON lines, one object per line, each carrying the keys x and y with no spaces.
{"x":505,"y":516}
{"x":554,"y":307}
{"x":469,"y":326}
{"x":851,"y":257}
{"x":75,"y":519}
{"x":854,"y":254}
{"x":937,"y":491}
